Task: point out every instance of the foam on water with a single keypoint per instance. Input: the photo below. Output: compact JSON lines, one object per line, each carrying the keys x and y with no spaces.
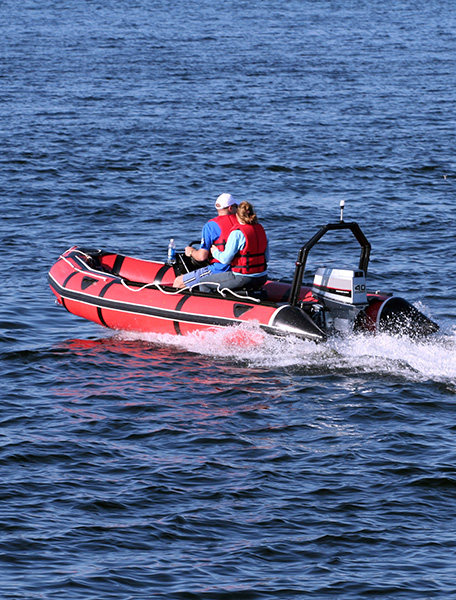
{"x":416,"y":360}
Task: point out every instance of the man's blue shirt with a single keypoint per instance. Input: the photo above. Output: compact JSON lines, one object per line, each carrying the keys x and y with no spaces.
{"x":211,"y":233}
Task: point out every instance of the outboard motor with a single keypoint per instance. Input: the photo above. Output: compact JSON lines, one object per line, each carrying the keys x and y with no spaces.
{"x":342,"y":292}
{"x":342,"y":302}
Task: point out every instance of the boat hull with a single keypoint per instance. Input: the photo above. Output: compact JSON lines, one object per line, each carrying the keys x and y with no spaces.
{"x":130,"y":294}
{"x":114,"y":301}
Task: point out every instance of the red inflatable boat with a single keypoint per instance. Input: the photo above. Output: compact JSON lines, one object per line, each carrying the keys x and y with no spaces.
{"x":127,"y":293}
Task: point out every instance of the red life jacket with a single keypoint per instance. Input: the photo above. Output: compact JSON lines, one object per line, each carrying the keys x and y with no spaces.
{"x":226,"y":224}
{"x":251,"y":259}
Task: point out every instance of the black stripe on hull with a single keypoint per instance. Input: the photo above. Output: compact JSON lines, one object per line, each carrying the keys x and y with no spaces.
{"x":274,"y":326}
{"x":99,"y":309}
{"x":69,"y":277}
{"x":118,"y":264}
{"x":160,"y":273}
{"x":179,"y":305}
{"x":58,"y":289}
{"x":126,"y":307}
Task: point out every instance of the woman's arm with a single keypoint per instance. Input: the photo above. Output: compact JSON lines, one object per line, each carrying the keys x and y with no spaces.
{"x":235,"y":242}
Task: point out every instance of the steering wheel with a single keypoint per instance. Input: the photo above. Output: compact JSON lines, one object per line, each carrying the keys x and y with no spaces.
{"x":197,"y":263}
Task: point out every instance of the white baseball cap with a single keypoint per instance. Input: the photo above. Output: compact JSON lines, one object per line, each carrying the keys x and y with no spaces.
{"x":224,"y":201}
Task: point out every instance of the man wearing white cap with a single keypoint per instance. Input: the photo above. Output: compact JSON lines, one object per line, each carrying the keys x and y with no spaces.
{"x":215,"y":232}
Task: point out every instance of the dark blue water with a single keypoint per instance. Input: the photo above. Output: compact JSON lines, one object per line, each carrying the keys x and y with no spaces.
{"x":196,"y":468}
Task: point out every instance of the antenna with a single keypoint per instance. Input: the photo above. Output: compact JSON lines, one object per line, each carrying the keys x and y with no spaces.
{"x":342,"y":204}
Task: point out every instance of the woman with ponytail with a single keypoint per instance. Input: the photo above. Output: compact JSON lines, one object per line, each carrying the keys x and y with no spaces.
{"x":245,"y":255}
{"x":246,"y":251}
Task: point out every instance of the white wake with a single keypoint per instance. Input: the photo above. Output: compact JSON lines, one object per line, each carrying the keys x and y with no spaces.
{"x":433,"y":359}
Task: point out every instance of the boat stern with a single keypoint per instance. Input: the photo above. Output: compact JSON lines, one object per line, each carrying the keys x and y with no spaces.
{"x":293,"y":320}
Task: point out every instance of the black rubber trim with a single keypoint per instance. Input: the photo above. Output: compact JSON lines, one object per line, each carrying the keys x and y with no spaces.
{"x":240,"y":309}
{"x":179,"y":305}
{"x":106,"y":287}
{"x":69,"y":277}
{"x":87,"y":282}
{"x":170,"y":314}
{"x":100,"y":316}
{"x":118,"y":264}
{"x":59,"y":289}
{"x":160,"y":273}
{"x":286,"y":296}
{"x":102,"y":293}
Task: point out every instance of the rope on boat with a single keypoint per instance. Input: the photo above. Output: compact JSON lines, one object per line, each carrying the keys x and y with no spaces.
{"x":222,"y":291}
{"x":233,"y":293}
{"x":155,"y":285}
{"x":78,"y":270}
{"x":122,"y":281}
{"x":159,"y":288}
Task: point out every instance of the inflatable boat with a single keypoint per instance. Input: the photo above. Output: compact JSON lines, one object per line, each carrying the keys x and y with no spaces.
{"x":125,"y":293}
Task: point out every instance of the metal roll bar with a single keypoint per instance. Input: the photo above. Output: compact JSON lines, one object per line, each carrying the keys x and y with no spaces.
{"x":304,"y":252}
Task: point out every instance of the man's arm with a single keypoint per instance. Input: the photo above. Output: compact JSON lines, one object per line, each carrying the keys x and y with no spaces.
{"x":198,"y":255}
{"x":211,"y":231}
